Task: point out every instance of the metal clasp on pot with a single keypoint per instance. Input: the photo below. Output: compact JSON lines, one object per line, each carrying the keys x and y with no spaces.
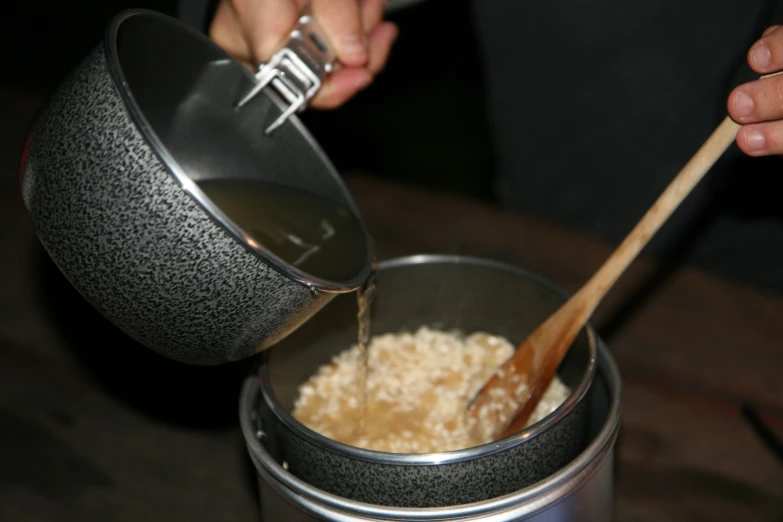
{"x":297,"y":70}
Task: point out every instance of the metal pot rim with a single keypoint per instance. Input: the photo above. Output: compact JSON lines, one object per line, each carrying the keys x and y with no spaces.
{"x":450,"y":457}
{"x":527,"y":501}
{"x":190,"y":187}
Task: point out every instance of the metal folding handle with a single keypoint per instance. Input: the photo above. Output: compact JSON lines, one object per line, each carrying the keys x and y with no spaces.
{"x":297,"y":70}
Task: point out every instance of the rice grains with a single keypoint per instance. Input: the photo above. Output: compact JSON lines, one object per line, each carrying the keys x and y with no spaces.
{"x":417,"y":389}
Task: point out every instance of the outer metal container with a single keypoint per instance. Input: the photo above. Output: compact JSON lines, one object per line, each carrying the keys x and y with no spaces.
{"x":579,"y":490}
{"x":450,"y":292}
{"x":583,"y":491}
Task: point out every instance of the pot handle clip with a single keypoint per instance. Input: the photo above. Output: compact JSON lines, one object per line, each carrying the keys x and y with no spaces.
{"x":297,"y":70}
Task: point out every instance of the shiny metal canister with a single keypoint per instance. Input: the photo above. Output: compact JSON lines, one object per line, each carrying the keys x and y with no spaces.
{"x":579,"y":490}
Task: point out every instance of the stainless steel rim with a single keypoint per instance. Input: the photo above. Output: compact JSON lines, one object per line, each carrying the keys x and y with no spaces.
{"x":524,"y":502}
{"x":179,"y":175}
{"x":431,"y":459}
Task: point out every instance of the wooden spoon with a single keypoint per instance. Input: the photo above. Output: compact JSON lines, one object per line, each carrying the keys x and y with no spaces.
{"x":506,"y":401}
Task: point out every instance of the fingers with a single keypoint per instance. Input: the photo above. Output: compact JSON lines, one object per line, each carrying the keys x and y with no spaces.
{"x":252,"y":30}
{"x":381,"y":41}
{"x":761,"y":139}
{"x":372,"y":14}
{"x":266,"y":23}
{"x":758,"y":105}
{"x":757,"y":101}
{"x":342,"y":22}
{"x":227,"y":32}
{"x":344,"y":83}
{"x":766,"y":55}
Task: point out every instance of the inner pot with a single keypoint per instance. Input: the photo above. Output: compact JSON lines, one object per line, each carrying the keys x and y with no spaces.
{"x":443,"y":292}
{"x":582,"y":491}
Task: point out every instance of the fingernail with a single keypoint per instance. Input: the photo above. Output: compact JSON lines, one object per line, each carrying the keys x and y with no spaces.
{"x":743,"y":104}
{"x":755,"y":139}
{"x":760,"y":55}
{"x":354,"y":46}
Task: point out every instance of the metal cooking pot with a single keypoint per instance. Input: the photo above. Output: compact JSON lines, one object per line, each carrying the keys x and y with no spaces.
{"x":581,"y":491}
{"x":109,"y":178}
{"x":444,"y":292}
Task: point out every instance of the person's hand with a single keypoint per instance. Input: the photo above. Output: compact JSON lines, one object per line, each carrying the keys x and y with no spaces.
{"x":251,"y":30}
{"x":758,"y":105}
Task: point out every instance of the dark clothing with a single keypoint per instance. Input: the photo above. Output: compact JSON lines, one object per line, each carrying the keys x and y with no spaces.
{"x":596,"y":105}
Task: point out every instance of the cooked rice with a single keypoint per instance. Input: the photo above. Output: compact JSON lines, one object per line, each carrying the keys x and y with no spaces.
{"x":417,"y":389}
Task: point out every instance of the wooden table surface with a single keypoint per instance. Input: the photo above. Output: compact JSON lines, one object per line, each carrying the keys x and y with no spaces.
{"x":96,"y":428}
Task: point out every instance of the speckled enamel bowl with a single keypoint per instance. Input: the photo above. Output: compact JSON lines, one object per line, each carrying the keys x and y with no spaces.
{"x":444,"y":292}
{"x":109,"y":178}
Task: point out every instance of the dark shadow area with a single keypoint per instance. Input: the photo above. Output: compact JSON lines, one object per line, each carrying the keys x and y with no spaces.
{"x":663,"y":269}
{"x":422,"y":122}
{"x":46,"y":39}
{"x":27,"y":441}
{"x":771,"y":440}
{"x":193,"y":397}
{"x":751,"y":188}
{"x":709,"y":496}
{"x":250,"y":475}
{"x":737,"y":190}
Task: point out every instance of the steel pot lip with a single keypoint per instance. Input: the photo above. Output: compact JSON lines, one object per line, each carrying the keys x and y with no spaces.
{"x":190,"y":187}
{"x":527,"y":501}
{"x":450,"y":457}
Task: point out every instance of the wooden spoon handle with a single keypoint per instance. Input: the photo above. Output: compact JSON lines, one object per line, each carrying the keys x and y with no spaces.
{"x":671,"y":198}
{"x":680,"y":187}
{"x":525,"y":375}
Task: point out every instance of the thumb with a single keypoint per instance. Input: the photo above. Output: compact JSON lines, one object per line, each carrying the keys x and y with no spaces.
{"x":266,"y":23}
{"x":342,"y":22}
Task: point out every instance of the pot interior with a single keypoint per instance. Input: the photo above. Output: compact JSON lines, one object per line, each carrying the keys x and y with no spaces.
{"x":185,"y":89}
{"x":182,"y":90}
{"x":438,"y":291}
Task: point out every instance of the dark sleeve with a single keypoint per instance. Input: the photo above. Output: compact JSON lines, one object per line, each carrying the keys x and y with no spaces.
{"x":197,"y":13}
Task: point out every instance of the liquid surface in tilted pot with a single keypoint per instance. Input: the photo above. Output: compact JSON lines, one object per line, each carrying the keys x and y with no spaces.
{"x":279,"y":195}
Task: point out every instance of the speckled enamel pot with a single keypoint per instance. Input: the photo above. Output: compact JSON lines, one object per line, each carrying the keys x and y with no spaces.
{"x":444,"y":292}
{"x":109,"y":179}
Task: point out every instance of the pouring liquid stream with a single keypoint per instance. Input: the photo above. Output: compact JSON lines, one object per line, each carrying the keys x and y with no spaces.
{"x":310,"y":232}
{"x":364,"y":298}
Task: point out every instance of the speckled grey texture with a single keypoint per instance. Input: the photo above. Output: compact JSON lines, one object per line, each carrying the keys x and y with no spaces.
{"x":474,"y":480}
{"x":135,"y":244}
